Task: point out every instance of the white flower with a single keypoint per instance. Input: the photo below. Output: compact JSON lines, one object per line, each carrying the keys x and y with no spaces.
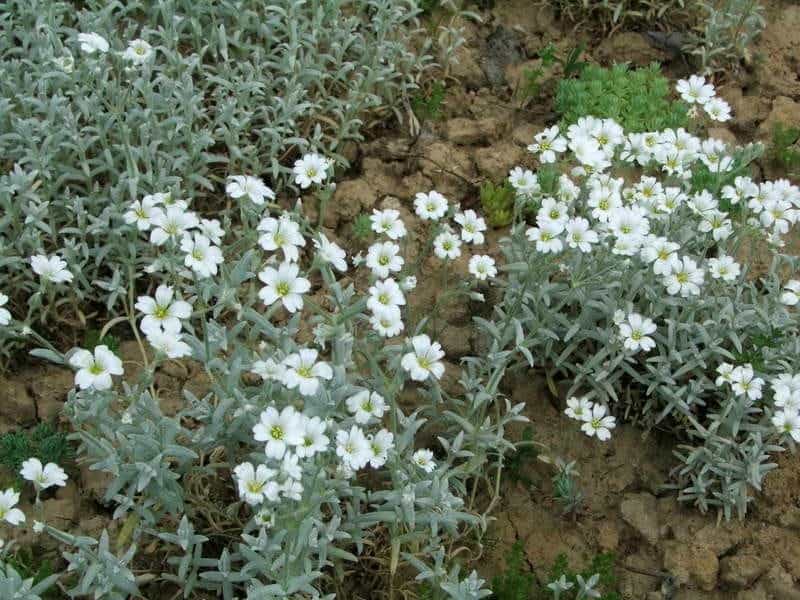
{"x":447,"y":246}
{"x":578,"y":408}
{"x":787,"y":423}
{"x":283,"y":284}
{"x":212,"y":230}
{"x":379,"y":446}
{"x":524,"y":181}
{"x":290,"y":466}
{"x":93,"y":42}
{"x":425,"y":360}
{"x":635,"y":333}
{"x":598,"y":423}
{"x":387,"y":321}
{"x":481,"y":266}
{"x":547,"y":144}
{"x":662,"y":253}
{"x":281,"y":234}
{"x":268,"y":370}
{"x":5,"y":316}
{"x":408,"y":283}
{"x":423,"y":458}
{"x":168,"y":343}
{"x":791,"y":292}
{"x":142,"y":212}
{"x":388,"y":222}
{"x":724,"y":268}
{"x":311,"y":168}
{"x":9,"y":514}
{"x":366,"y":405}
{"x":138,"y":51}
{"x":51,"y":269}
{"x":546,"y":237}
{"x":786,"y":388}
{"x":200,"y":255}
{"x":330,"y":252}
{"x":292,"y":489}
{"x":384,"y":294}
{"x":745,"y":383}
{"x":431,"y":206}
{"x":472,"y":226}
{"x":171,"y":224}
{"x":264,"y":518}
{"x":254,"y":188}
{"x":95,"y":371}
{"x":579,"y":235}
{"x":256,"y":484}
{"x":353,"y":448}
{"x":725,"y":371}
{"x":279,"y":430}
{"x":383,"y":258}
{"x":313,"y":438}
{"x":304,"y":372}
{"x":718,"y":110}
{"x":43,"y":476}
{"x":164,"y":312}
{"x":695,"y":90}
{"x":685,"y":278}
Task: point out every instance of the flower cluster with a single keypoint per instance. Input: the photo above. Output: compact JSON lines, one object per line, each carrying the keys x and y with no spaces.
{"x":594,"y":417}
{"x":41,"y":476}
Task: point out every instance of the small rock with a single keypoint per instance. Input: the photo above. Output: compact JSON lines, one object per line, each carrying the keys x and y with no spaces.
{"x":449,"y":168}
{"x":630,"y":47}
{"x":757,"y":593}
{"x":496,"y":161}
{"x":464,"y":66}
{"x":50,"y":390}
{"x":467,"y":132}
{"x":724,"y":135}
{"x":691,"y":564}
{"x":94,"y":483}
{"x":785,"y":111}
{"x":456,"y":341}
{"x":640,"y":511}
{"x":607,"y":536}
{"x":17,"y":408}
{"x":350,"y":199}
{"x":523,"y":134}
{"x":780,"y":584}
{"x":741,"y":570}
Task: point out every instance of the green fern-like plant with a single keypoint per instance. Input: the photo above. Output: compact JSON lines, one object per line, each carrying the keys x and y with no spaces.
{"x":784,"y":150}
{"x":637,"y":99}
{"x":497,"y":202}
{"x":514,"y":583}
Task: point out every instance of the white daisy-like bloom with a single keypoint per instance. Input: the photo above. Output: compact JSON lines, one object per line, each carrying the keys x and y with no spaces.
{"x":724,"y":268}
{"x":138,"y":51}
{"x":291,"y":489}
{"x":635,"y":332}
{"x":313,"y":439}
{"x":264,"y":518}
{"x":279,"y":430}
{"x":51,"y":269}
{"x":141,"y":213}
{"x":169,"y":343}
{"x":598,"y":423}
{"x":481,"y":266}
{"x":383,"y":258}
{"x":431,"y":206}
{"x":284,"y":284}
{"x":212,"y":229}
{"x":388,"y":223}
{"x":786,"y":390}
{"x":247,"y":186}
{"x":791,"y":293}
{"x":685,"y":278}
{"x":661,"y":252}
{"x":425,"y":360}
{"x":787,"y":423}
{"x":718,"y":110}
{"x":268,"y":370}
{"x":173,"y":223}
{"x":447,"y":246}
{"x":201,"y":256}
{"x":256,"y":484}
{"x":8,"y":511}
{"x":366,"y":405}
{"x":546,"y":237}
{"x":724,"y":374}
{"x":695,"y":90}
{"x":385,"y":293}
{"x":745,"y":383}
{"x":423,"y":458}
{"x":5,"y":316}
{"x":290,"y":466}
{"x":379,"y":446}
{"x":93,"y":42}
{"x":579,"y":234}
{"x":578,"y":408}
{"x":331,"y":253}
{"x":353,"y":448}
{"x":43,"y":476}
{"x":548,"y":144}
{"x":95,"y":370}
{"x":408,"y":283}
{"x":524,"y":181}
{"x":303,"y":371}
{"x":163,"y":311}
{"x":387,"y":321}
{"x":281,"y":234}
{"x":310,"y":169}
{"x":472,"y":226}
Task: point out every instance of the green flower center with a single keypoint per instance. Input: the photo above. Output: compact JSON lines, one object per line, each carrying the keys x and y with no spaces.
{"x":254,"y":487}
{"x":305,"y":372}
{"x":96,"y":368}
{"x":276,"y":432}
{"x":282,"y":288}
{"x":383,"y":260}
